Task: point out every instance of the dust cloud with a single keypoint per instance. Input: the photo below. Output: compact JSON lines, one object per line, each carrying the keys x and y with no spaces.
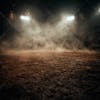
{"x":54,"y":34}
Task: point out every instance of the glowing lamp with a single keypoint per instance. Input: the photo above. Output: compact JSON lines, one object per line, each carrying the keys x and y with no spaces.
{"x":99,"y":10}
{"x":69,"y":18}
{"x":25,"y":18}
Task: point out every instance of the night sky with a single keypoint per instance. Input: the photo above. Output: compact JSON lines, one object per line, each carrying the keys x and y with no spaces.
{"x":84,"y":6}
{"x":47,"y":8}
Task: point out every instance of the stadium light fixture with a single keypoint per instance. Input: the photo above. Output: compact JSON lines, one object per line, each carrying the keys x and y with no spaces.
{"x":25,"y":18}
{"x":69,"y":18}
{"x":99,"y":10}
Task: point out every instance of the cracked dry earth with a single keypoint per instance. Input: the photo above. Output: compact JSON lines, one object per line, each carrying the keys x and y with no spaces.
{"x":50,"y":76}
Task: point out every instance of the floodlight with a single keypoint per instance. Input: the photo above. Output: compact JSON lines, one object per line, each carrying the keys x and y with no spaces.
{"x":70,"y":18}
{"x":25,"y":18}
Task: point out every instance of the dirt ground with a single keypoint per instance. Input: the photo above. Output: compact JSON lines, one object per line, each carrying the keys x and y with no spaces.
{"x":50,"y":76}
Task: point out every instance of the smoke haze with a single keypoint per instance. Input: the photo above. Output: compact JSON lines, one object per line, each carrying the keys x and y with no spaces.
{"x":48,"y":28}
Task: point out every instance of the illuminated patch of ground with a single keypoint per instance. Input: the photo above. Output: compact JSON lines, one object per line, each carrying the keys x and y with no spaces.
{"x":50,"y":76}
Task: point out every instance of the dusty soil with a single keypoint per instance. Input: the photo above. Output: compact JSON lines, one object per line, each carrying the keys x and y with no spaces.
{"x":50,"y":76}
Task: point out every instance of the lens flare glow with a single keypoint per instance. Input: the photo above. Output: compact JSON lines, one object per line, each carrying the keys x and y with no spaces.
{"x":25,"y":18}
{"x":98,"y":10}
{"x":69,"y":18}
